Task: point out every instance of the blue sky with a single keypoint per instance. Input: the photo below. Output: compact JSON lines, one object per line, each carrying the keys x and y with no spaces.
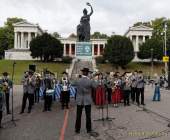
{"x":64,"y":15}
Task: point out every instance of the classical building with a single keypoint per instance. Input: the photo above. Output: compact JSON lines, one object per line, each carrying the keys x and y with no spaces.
{"x":138,"y":35}
{"x":26,"y":31}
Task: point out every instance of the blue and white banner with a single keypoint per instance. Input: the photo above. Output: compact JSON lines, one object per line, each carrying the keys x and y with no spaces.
{"x":57,"y":91}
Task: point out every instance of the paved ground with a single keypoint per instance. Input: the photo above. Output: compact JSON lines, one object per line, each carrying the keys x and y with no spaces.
{"x":131,"y":123}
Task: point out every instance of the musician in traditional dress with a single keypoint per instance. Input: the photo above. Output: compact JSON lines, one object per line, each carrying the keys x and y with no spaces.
{"x":133,"y":79}
{"x":116,"y":95}
{"x":65,"y":92}
{"x":126,"y":88}
{"x":37,"y":88}
{"x":28,"y":82}
{"x":100,"y":90}
{"x":48,"y":92}
{"x":2,"y":102}
{"x":109,"y":85}
{"x":7,"y":85}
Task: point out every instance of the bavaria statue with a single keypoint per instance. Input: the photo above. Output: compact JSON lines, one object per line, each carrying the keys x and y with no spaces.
{"x":83,"y":29}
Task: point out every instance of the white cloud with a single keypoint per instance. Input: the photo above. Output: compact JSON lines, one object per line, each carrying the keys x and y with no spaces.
{"x":64,"y":15}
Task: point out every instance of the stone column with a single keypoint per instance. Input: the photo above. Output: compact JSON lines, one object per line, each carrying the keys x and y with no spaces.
{"x":36,"y":34}
{"x":19,"y":40}
{"x":64,"y":50}
{"x":143,"y":39}
{"x":22,"y":40}
{"x":131,"y":38}
{"x":15,"y":41}
{"x":70,"y":50}
{"x":92,"y":50}
{"x":29,"y":39}
{"x":98,"y":52}
{"x":137,"y":44}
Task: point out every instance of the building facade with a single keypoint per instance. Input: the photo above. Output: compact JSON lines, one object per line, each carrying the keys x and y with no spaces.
{"x":138,"y":35}
{"x":26,"y":31}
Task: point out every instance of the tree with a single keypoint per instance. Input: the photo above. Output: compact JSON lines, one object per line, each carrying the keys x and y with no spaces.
{"x":46,"y":47}
{"x":56,"y":35}
{"x":72,"y":35}
{"x":119,"y":50}
{"x":7,"y":34}
{"x":145,"y":49}
{"x":98,"y":35}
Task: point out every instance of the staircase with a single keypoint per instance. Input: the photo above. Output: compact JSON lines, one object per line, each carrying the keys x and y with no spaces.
{"x":79,"y":65}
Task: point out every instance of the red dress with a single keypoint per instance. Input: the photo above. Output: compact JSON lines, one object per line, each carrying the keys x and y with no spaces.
{"x":100,"y":95}
{"x":116,"y":95}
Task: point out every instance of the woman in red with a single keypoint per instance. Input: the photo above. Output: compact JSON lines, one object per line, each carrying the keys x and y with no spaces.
{"x":100,"y":90}
{"x":116,"y":95}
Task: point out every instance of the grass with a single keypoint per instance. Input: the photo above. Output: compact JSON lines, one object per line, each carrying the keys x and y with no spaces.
{"x":21,"y":66}
{"x":145,"y":67}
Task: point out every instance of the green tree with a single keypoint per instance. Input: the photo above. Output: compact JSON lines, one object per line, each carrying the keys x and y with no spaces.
{"x":145,"y":49}
{"x":119,"y":50}
{"x":56,"y":35}
{"x":99,"y":35}
{"x":46,"y":47}
{"x":7,"y":34}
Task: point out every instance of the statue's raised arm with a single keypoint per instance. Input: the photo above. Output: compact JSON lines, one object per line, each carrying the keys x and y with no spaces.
{"x":88,"y":4}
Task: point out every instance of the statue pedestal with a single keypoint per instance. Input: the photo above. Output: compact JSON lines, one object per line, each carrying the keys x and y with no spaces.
{"x":84,"y":50}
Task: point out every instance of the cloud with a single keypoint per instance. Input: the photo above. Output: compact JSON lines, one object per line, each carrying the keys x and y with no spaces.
{"x":64,"y":15}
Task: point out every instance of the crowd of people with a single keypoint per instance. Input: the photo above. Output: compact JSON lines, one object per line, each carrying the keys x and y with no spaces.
{"x":100,"y":88}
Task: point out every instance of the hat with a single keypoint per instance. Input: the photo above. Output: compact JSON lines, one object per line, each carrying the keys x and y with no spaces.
{"x":5,"y":73}
{"x":85,"y":70}
{"x":64,"y":73}
{"x":31,"y":72}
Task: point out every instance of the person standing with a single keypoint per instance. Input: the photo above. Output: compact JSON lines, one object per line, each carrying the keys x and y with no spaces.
{"x":84,"y":100}
{"x":140,"y":88}
{"x":126,"y":89}
{"x":48,"y":92}
{"x":37,"y":88}
{"x":133,"y":79}
{"x":7,"y":85}
{"x":31,"y":89}
{"x":25,"y":91}
{"x":65,"y":92}
{"x":157,"y":90}
{"x":2,"y":101}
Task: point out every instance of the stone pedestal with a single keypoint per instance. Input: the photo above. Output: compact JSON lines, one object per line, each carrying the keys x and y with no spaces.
{"x":84,"y":50}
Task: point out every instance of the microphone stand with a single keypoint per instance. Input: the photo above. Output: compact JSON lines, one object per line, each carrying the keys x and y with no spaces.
{"x":13,"y":70}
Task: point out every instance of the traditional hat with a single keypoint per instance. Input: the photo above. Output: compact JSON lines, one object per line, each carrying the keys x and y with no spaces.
{"x":5,"y":73}
{"x":30,"y":72}
{"x":85,"y":70}
{"x":64,"y":73}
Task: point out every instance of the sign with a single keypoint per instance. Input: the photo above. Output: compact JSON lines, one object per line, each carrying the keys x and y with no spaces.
{"x":165,"y":59}
{"x":83,"y":49}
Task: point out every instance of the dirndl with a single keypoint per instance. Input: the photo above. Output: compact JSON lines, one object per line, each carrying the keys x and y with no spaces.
{"x":100,"y":96}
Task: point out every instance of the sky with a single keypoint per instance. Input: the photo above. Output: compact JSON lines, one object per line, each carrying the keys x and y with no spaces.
{"x":63,"y":16}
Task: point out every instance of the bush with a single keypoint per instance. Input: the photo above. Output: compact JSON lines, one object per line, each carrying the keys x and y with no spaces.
{"x":67,"y":59}
{"x":100,"y":60}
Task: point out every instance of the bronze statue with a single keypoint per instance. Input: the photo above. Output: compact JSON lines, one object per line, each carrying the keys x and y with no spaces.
{"x":83,"y":29}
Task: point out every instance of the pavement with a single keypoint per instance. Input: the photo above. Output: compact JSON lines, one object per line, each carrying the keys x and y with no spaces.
{"x":130,"y":123}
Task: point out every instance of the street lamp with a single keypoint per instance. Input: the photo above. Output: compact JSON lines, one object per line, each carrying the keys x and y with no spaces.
{"x":165,"y":49}
{"x":151,"y":60}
